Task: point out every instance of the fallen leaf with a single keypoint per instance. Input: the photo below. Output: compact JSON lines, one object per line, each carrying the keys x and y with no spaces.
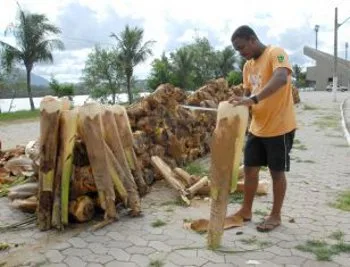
{"x":201,"y":225}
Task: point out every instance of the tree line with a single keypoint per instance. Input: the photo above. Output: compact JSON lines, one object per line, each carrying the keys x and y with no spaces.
{"x":110,"y":71}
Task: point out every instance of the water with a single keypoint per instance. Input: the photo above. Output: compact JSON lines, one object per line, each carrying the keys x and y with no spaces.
{"x":23,"y":103}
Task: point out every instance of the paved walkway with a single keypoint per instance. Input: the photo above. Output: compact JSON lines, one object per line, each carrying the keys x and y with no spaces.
{"x":320,"y":170}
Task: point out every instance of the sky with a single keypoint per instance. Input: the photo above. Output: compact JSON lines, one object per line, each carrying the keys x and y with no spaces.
{"x":85,"y":23}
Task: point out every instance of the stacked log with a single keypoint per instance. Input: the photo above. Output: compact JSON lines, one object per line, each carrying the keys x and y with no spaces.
{"x":84,"y":163}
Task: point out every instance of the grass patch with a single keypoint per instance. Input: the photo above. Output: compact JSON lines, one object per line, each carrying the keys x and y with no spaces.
{"x":317,"y":247}
{"x":19,"y":115}
{"x":158,"y":223}
{"x":177,"y":202}
{"x":196,"y":169}
{"x":299,"y":160}
{"x":249,"y":241}
{"x":328,"y":121}
{"x":4,"y":246}
{"x":254,"y":241}
{"x":337,"y":235}
{"x":236,"y":197}
{"x":297,"y":142}
{"x":324,"y":251}
{"x":334,"y":135}
{"x":5,"y":188}
{"x":300,"y":147}
{"x":263,"y":168}
{"x":309,"y":107}
{"x":264,"y":244}
{"x":341,"y":145}
{"x":343,"y":201}
{"x":169,"y":209}
{"x":261,"y":212}
{"x":156,"y":263}
{"x":308,"y":161}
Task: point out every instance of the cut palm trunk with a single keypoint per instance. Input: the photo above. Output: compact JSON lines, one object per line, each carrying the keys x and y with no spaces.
{"x":184,"y":176}
{"x":90,"y":127}
{"x":56,"y":203}
{"x":49,"y":127}
{"x":225,"y":149}
{"x":114,"y":170}
{"x":23,"y":191}
{"x":119,"y":161}
{"x":68,"y":131}
{"x":26,"y":205}
{"x":170,"y":177}
{"x":126,"y":135}
{"x":65,"y":149}
{"x":82,"y":182}
{"x":82,"y":209}
{"x":204,"y":181}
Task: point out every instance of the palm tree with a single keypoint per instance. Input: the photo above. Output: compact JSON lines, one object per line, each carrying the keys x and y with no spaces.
{"x":183,"y":67}
{"x":132,"y":52}
{"x":226,"y":60}
{"x":33,"y":44}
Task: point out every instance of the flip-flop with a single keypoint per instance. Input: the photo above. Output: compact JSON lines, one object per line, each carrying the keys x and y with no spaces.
{"x":266,"y":226}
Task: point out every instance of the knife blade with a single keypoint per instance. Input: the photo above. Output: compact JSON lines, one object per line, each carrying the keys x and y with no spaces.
{"x":199,"y":108}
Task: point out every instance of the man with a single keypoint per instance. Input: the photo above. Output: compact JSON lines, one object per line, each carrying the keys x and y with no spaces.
{"x":268,"y":91}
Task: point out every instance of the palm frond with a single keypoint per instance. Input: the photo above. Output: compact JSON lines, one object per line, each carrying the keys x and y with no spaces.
{"x":10,"y":54}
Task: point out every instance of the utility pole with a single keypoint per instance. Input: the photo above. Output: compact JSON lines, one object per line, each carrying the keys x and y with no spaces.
{"x":335,"y":62}
{"x":346,"y":50}
{"x":317,"y":27}
{"x":335,"y":75}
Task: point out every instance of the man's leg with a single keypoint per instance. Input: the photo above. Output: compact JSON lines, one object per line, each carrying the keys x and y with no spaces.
{"x":251,"y":182}
{"x":254,"y":157}
{"x":278,"y":149}
{"x":279,"y":191}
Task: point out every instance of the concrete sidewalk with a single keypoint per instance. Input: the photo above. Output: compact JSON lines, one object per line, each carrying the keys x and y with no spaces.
{"x":319,"y":172}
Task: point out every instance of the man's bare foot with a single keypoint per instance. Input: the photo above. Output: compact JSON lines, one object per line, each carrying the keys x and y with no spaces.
{"x":246,"y":215}
{"x":269,"y":223}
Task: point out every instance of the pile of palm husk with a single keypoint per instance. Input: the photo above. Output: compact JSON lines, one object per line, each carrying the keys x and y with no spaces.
{"x":16,"y":167}
{"x":92,"y":158}
{"x":163,"y":127}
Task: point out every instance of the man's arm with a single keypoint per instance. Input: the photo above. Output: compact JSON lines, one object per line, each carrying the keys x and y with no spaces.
{"x":278,"y":79}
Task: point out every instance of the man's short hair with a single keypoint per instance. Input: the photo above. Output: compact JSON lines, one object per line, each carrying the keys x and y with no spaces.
{"x":243,"y":32}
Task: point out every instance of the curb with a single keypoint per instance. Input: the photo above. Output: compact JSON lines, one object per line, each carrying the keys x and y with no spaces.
{"x":343,"y":121}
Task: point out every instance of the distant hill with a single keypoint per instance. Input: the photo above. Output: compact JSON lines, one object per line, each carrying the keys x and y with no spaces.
{"x":38,"y":80}
{"x":19,"y":75}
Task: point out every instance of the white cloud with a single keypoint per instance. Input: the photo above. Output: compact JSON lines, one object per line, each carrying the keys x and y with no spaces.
{"x":190,"y":34}
{"x":273,"y":20}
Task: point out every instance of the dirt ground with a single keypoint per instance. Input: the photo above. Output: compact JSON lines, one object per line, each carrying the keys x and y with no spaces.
{"x":18,"y":133}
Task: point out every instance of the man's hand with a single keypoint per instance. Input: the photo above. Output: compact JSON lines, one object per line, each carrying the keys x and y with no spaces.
{"x":240,"y":101}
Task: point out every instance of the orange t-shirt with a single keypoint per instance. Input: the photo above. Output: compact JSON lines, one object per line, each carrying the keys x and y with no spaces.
{"x":275,"y":114}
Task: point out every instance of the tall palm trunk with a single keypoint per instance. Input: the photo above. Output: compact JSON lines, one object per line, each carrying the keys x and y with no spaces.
{"x":128,"y":73}
{"x":29,"y":88}
{"x":128,"y":85}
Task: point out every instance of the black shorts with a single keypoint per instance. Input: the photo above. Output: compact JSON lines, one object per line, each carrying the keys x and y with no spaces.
{"x":269,"y":151}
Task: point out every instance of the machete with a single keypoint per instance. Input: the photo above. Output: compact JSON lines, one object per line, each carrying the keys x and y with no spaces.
{"x":199,"y":108}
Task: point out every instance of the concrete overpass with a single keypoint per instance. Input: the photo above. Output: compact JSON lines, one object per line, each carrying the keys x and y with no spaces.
{"x":322,"y":72}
